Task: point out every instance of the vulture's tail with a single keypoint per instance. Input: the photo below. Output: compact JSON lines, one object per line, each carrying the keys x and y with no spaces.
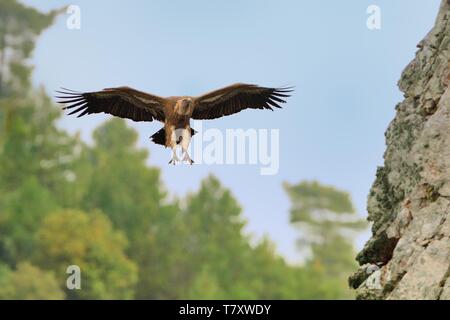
{"x":160,"y":137}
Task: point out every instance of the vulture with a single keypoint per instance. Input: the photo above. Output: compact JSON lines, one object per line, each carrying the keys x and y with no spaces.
{"x":175,"y":112}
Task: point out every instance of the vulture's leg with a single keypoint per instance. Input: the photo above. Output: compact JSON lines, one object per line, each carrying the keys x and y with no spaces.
{"x":173,"y":145}
{"x":174,"y":159}
{"x":185,"y":141}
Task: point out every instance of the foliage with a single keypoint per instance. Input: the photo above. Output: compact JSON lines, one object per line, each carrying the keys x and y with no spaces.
{"x":88,"y":241}
{"x":28,"y":282}
{"x":19,"y":27}
{"x":327,"y":220}
{"x":22,"y":213}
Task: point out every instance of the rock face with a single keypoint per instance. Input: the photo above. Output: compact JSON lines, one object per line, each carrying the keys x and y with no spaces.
{"x":408,"y":256}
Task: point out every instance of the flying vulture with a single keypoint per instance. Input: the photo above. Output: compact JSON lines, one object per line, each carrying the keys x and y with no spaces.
{"x":174,"y":112}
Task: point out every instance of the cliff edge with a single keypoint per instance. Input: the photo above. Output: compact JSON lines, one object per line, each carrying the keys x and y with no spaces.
{"x":408,"y":255}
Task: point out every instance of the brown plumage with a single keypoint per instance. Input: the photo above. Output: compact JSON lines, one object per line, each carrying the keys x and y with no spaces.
{"x":174,"y":112}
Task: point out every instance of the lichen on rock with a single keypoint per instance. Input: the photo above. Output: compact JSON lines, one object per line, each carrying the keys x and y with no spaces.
{"x":409,"y":203}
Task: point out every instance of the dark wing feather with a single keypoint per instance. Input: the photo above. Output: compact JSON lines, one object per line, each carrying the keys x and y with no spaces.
{"x":122,"y":102}
{"x":238,"y":97}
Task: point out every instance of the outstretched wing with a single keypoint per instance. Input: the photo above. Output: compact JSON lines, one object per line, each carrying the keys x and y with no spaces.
{"x":237,"y":97}
{"x":122,"y":102}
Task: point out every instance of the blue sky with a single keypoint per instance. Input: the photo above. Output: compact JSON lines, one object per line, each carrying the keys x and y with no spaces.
{"x":332,"y":129}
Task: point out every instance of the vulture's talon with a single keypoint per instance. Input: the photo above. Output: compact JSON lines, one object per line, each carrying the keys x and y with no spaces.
{"x":174,"y":160}
{"x":188,"y":159}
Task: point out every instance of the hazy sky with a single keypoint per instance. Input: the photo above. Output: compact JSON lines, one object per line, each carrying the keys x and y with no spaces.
{"x":331,"y":130}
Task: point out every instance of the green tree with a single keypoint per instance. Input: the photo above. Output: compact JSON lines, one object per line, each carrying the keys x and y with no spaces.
{"x":72,"y":237}
{"x":122,"y":185}
{"x":265,"y":275}
{"x":21,"y":213}
{"x":37,"y":172}
{"x":35,"y":146}
{"x":328,"y":222}
{"x":215,"y":236}
{"x":205,"y":286}
{"x":28,"y":282}
{"x":19,"y":27}
{"x":131,"y":194}
{"x":164,"y":266}
{"x":35,"y":156}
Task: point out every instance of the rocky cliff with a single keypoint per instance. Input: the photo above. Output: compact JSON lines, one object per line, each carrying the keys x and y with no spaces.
{"x":408,"y":256}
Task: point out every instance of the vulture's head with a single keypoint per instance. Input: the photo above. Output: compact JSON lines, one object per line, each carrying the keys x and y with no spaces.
{"x":184,"y":107}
